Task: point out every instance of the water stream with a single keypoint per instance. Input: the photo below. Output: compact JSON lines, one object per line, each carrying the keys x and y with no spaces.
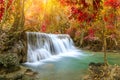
{"x":56,"y":58}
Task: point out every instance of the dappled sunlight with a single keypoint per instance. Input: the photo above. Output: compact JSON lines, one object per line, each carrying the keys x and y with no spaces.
{"x":43,"y":12}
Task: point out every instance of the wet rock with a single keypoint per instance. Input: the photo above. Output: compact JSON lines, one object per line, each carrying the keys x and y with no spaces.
{"x":29,"y":72}
{"x":20,"y":49}
{"x":14,"y":75}
{"x":31,"y":75}
{"x":22,"y":74}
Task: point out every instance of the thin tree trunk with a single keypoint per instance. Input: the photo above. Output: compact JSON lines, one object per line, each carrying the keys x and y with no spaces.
{"x":104,"y":45}
{"x":105,"y":53}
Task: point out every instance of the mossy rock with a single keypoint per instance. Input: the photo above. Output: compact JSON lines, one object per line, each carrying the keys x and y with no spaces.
{"x":9,"y":60}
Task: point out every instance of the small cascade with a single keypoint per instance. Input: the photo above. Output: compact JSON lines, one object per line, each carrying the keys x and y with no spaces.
{"x":42,"y":46}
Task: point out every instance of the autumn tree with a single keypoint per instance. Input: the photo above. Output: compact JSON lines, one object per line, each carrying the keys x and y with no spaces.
{"x":110,"y":23}
{"x":97,"y":20}
{"x":11,"y":23}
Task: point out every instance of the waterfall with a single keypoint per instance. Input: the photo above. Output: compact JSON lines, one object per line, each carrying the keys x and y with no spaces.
{"x":42,"y":46}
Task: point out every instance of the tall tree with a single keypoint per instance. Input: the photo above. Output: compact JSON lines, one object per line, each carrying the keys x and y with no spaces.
{"x":18,"y":15}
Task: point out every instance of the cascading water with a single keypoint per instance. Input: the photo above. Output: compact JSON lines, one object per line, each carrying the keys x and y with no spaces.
{"x":42,"y":46}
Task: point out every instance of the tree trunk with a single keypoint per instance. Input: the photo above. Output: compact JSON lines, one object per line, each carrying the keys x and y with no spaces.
{"x":105,"y":53}
{"x":104,"y":45}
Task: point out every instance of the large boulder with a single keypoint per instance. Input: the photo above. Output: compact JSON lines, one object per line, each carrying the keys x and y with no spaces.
{"x":14,"y":43}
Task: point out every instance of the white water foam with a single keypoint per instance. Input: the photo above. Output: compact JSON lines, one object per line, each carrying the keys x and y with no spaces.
{"x":44,"y":47}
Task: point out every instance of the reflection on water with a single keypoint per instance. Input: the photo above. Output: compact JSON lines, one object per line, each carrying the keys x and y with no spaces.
{"x":71,"y":68}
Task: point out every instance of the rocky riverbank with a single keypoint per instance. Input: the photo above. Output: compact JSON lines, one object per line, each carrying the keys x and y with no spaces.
{"x":18,"y":73}
{"x":99,"y":71}
{"x":11,"y":68}
{"x":12,"y":54}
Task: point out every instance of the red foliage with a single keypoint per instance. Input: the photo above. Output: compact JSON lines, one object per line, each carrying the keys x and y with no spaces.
{"x":71,"y":31}
{"x":73,"y":2}
{"x":1,"y":9}
{"x":109,"y":18}
{"x":113,"y":36}
{"x":77,"y":33}
{"x":91,"y":35}
{"x":82,"y":16}
{"x":79,"y":13}
{"x":110,"y":26}
{"x":89,"y":38}
{"x":96,"y":4}
{"x":68,"y":2}
{"x":43,"y":28}
{"x":74,"y":10}
{"x":112,"y":3}
{"x":85,"y":16}
{"x":85,"y":5}
{"x":9,"y":3}
{"x":91,"y":32}
{"x":105,"y":18}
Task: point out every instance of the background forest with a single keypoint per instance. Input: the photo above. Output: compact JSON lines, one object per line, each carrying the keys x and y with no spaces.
{"x":86,"y":21}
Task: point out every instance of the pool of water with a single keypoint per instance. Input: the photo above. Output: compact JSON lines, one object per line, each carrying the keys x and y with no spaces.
{"x":71,"y":68}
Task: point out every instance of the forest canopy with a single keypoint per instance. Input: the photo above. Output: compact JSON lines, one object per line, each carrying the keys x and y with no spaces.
{"x":83,"y":20}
